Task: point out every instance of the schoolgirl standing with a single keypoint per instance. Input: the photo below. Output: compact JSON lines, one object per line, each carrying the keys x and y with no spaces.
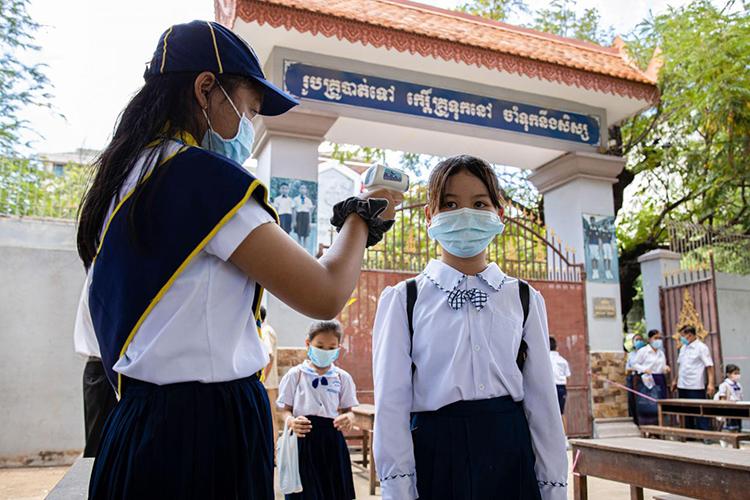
{"x":317,"y":399}
{"x":179,"y":241}
{"x":459,"y":413}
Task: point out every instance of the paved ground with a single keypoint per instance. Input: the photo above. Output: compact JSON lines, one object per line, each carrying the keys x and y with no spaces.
{"x":34,"y":483}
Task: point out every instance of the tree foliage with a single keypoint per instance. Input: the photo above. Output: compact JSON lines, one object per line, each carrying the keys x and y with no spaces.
{"x":561,"y":18}
{"x":499,"y":10}
{"x":689,"y":156}
{"x":21,"y":83}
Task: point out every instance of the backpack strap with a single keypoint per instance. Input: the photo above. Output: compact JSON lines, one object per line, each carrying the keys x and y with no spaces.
{"x":523,"y":294}
{"x":411,"y":299}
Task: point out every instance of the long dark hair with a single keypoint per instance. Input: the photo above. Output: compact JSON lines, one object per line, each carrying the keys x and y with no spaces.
{"x":162,"y":108}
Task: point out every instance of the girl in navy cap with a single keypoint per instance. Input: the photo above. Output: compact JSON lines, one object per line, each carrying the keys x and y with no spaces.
{"x":178,"y":241}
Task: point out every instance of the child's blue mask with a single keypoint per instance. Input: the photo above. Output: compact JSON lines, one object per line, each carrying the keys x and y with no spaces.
{"x":322,"y":358}
{"x":465,"y":232}
{"x":684,"y":341}
{"x":238,"y":148}
{"x":639,"y":344}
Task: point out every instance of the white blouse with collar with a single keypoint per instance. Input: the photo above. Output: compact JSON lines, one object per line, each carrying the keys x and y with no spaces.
{"x":464,"y":354}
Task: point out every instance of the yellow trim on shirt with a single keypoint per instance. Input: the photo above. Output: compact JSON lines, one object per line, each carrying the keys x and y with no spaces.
{"x":128,"y":195}
{"x":216,"y":47}
{"x":164,"y":50}
{"x":179,"y":271}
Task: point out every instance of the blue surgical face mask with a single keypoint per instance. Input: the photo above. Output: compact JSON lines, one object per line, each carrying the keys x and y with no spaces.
{"x":657,"y":344}
{"x":238,"y":148}
{"x":684,"y":341}
{"x":322,"y":358}
{"x":465,"y":232}
{"x":639,"y":343}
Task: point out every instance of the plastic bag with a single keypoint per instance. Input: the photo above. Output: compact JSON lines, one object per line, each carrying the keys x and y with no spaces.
{"x":287,"y":454}
{"x":648,"y":381}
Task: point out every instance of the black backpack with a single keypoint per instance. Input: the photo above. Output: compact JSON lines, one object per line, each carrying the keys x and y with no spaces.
{"x":411,"y":299}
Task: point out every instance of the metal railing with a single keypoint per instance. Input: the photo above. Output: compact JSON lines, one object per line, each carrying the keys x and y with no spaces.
{"x":698,"y":245}
{"x":525,"y":249}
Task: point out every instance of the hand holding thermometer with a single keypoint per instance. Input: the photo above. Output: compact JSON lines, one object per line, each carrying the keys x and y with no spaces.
{"x":382,"y":177}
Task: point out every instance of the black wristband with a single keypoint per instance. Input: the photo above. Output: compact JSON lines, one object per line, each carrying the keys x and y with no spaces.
{"x":368,"y":210}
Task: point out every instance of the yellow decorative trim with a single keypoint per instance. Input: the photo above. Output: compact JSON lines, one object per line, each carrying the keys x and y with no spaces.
{"x":216,"y":47}
{"x":179,"y":271}
{"x":164,"y":50}
{"x":128,"y":195}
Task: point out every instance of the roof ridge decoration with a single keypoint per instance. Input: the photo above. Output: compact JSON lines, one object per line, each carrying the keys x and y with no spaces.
{"x":600,"y":69}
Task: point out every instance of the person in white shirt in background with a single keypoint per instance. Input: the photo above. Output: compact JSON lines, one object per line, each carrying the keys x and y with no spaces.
{"x":316,"y":398}
{"x":731,"y":390}
{"x":650,"y":366}
{"x":459,"y":415}
{"x":694,"y":360}
{"x":630,"y":378}
{"x":561,"y":372}
{"x":271,"y":371}
{"x":303,"y":208}
{"x":98,"y":395}
{"x":284,"y":206}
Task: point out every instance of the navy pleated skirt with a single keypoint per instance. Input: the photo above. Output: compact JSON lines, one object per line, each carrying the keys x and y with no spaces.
{"x":189,"y":441}
{"x":324,"y":464}
{"x":474,"y":450}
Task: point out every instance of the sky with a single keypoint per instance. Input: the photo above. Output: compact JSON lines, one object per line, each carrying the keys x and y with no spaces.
{"x":96,"y":52}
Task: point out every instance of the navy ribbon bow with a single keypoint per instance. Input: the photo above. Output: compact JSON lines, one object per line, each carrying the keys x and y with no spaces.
{"x":321,"y":381}
{"x":457,"y":298}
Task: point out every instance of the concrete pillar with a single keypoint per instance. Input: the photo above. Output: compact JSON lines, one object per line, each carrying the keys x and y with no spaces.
{"x":287,"y":146}
{"x":654,"y":265}
{"x":574,"y":185}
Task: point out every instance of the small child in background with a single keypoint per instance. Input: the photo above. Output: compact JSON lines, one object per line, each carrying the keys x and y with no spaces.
{"x":731,"y":390}
{"x":561,"y":372}
{"x":316,"y":399}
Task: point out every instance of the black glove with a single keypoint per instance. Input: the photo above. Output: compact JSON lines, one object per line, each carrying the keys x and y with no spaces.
{"x":369,"y":210}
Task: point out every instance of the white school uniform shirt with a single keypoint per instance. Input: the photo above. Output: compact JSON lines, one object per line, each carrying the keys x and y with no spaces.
{"x":303,"y":206}
{"x":630,"y":359}
{"x":693,"y":360}
{"x":461,"y":354}
{"x":646,"y":358}
{"x":283,"y":204}
{"x":203,"y":328}
{"x":560,"y":368}
{"x":304,"y":390}
{"x":732,"y":391}
{"x":84,"y":338}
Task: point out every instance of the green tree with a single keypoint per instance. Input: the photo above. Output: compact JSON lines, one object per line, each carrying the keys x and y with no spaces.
{"x":499,"y":10}
{"x":561,"y":18}
{"x":688,"y":158}
{"x":21,"y":83}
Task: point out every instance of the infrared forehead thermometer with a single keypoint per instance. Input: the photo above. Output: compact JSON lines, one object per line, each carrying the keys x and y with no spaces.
{"x":382,"y":177}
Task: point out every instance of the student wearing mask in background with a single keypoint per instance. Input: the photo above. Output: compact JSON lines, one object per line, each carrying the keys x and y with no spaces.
{"x":630,"y":378}
{"x":731,"y":390}
{"x":693,"y":361}
{"x":650,"y":365}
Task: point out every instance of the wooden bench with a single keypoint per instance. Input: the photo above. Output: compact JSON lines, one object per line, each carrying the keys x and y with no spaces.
{"x":693,"y":470}
{"x":732,"y":437}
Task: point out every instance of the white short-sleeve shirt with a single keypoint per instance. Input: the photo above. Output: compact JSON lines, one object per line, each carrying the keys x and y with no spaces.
{"x":284,"y":204}
{"x":203,"y":327}
{"x":309,"y":393}
{"x":560,"y":368}
{"x":646,"y":358}
{"x":693,"y":360}
{"x":303,"y":206}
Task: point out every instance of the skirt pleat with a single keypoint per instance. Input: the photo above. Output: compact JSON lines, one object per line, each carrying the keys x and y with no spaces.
{"x":188,"y":440}
{"x":474,"y":450}
{"x":324,"y":464}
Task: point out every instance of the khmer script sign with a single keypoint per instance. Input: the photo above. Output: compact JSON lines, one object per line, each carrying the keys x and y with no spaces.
{"x":354,"y":89}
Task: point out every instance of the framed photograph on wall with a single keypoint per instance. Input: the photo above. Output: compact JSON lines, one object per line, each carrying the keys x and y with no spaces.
{"x":600,"y":248}
{"x":296,"y":202}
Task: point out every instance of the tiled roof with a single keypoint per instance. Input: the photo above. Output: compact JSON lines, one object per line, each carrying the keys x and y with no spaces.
{"x":429,"y":31}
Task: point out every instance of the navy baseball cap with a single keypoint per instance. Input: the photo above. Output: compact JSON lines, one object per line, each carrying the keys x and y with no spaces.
{"x":207,"y":46}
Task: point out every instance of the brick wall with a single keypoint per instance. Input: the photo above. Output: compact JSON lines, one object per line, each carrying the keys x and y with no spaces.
{"x":609,"y":401}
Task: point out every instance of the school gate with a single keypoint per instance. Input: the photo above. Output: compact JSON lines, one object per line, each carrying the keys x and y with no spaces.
{"x":521,"y":251}
{"x":406,"y":76}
